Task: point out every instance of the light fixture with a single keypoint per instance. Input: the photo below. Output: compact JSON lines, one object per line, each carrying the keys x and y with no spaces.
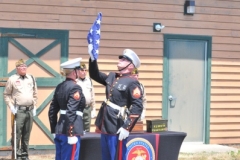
{"x":157,"y":27}
{"x":189,"y":7}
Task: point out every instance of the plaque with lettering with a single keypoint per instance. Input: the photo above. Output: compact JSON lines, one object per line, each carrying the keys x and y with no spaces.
{"x":157,"y":125}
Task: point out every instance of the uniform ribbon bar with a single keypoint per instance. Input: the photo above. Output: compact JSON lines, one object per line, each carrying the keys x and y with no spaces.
{"x":93,"y":38}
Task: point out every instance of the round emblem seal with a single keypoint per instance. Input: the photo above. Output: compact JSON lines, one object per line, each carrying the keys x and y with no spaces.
{"x":140,"y":149}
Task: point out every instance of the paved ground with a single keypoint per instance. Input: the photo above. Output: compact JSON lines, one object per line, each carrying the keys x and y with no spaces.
{"x":198,"y":147}
{"x":191,"y":151}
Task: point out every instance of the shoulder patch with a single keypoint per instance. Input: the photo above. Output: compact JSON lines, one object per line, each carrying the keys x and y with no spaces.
{"x":18,"y":83}
{"x":76,"y":95}
{"x":136,"y":93}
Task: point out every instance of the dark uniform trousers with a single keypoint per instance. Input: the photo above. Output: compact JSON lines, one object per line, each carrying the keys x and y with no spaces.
{"x":87,"y":118}
{"x":24,"y":121}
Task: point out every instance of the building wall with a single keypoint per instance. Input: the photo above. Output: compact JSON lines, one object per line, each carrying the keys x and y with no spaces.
{"x":128,"y":24}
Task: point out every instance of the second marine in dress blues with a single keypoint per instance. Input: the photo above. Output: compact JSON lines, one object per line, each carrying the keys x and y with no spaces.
{"x":69,"y":101}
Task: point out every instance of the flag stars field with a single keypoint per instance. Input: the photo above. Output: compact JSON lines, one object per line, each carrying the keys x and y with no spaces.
{"x":93,"y":38}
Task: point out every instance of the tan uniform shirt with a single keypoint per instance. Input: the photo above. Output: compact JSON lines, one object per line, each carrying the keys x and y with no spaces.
{"x":88,"y":91}
{"x":22,"y":90}
{"x":144,"y":99}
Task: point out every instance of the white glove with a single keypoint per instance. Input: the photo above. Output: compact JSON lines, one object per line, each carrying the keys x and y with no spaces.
{"x":93,"y":113}
{"x":34,"y":111}
{"x":54,"y":135}
{"x":13,"y":110}
{"x":72,"y":140}
{"x":90,"y":48}
{"x":123,"y":133}
{"x":142,"y":115}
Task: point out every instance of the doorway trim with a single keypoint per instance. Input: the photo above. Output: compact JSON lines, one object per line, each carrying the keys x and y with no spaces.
{"x":208,"y":39}
{"x":7,"y":35}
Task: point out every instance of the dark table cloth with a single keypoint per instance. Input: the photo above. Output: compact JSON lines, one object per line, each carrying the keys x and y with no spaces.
{"x":169,"y":145}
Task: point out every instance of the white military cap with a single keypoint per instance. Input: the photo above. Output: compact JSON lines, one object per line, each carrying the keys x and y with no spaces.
{"x":131,"y":56}
{"x":71,"y":64}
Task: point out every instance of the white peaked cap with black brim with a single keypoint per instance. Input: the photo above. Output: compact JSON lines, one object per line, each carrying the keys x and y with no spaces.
{"x":132,"y":56}
{"x":71,"y":64}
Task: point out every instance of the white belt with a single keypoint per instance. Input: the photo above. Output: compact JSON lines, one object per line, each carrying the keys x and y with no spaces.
{"x":79,"y":113}
{"x":114,"y":106}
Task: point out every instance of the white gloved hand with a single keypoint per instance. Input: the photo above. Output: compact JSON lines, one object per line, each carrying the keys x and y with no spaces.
{"x":13,"y":110}
{"x":90,"y":48}
{"x":34,"y":111}
{"x":72,"y":140}
{"x":142,"y":115}
{"x":54,"y":135}
{"x":123,"y":133}
{"x":93,"y":113}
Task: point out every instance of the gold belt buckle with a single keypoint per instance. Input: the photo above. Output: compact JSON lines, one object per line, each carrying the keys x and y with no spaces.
{"x":107,"y":102}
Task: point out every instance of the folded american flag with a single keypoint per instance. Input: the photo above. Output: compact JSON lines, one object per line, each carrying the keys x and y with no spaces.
{"x":93,"y":38}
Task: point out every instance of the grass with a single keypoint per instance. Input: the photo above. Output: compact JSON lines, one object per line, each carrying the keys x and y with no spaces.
{"x":182,"y":156}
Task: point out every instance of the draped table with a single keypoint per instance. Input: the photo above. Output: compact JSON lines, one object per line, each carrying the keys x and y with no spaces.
{"x":153,"y":146}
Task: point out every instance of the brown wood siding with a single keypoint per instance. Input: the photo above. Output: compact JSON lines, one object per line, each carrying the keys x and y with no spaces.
{"x":128,"y":24}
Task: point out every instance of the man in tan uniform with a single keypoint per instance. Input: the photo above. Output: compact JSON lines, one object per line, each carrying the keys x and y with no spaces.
{"x":20,"y":95}
{"x":88,"y":91}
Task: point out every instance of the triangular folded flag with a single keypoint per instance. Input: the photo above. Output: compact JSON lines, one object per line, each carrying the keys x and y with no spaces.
{"x":93,"y":38}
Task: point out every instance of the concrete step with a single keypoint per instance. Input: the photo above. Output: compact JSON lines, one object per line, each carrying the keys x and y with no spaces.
{"x":188,"y":147}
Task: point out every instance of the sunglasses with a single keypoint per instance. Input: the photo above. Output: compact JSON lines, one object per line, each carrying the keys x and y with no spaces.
{"x":22,"y":66}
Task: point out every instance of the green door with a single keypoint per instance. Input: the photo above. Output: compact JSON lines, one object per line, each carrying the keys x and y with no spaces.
{"x":186,"y":95}
{"x":43,"y":51}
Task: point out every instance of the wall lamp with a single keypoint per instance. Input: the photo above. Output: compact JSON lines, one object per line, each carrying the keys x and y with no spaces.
{"x":157,"y":27}
{"x":189,"y":7}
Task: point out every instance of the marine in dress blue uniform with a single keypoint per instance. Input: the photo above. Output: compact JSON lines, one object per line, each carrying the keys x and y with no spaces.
{"x":123,"y":105}
{"x":69,"y":100}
